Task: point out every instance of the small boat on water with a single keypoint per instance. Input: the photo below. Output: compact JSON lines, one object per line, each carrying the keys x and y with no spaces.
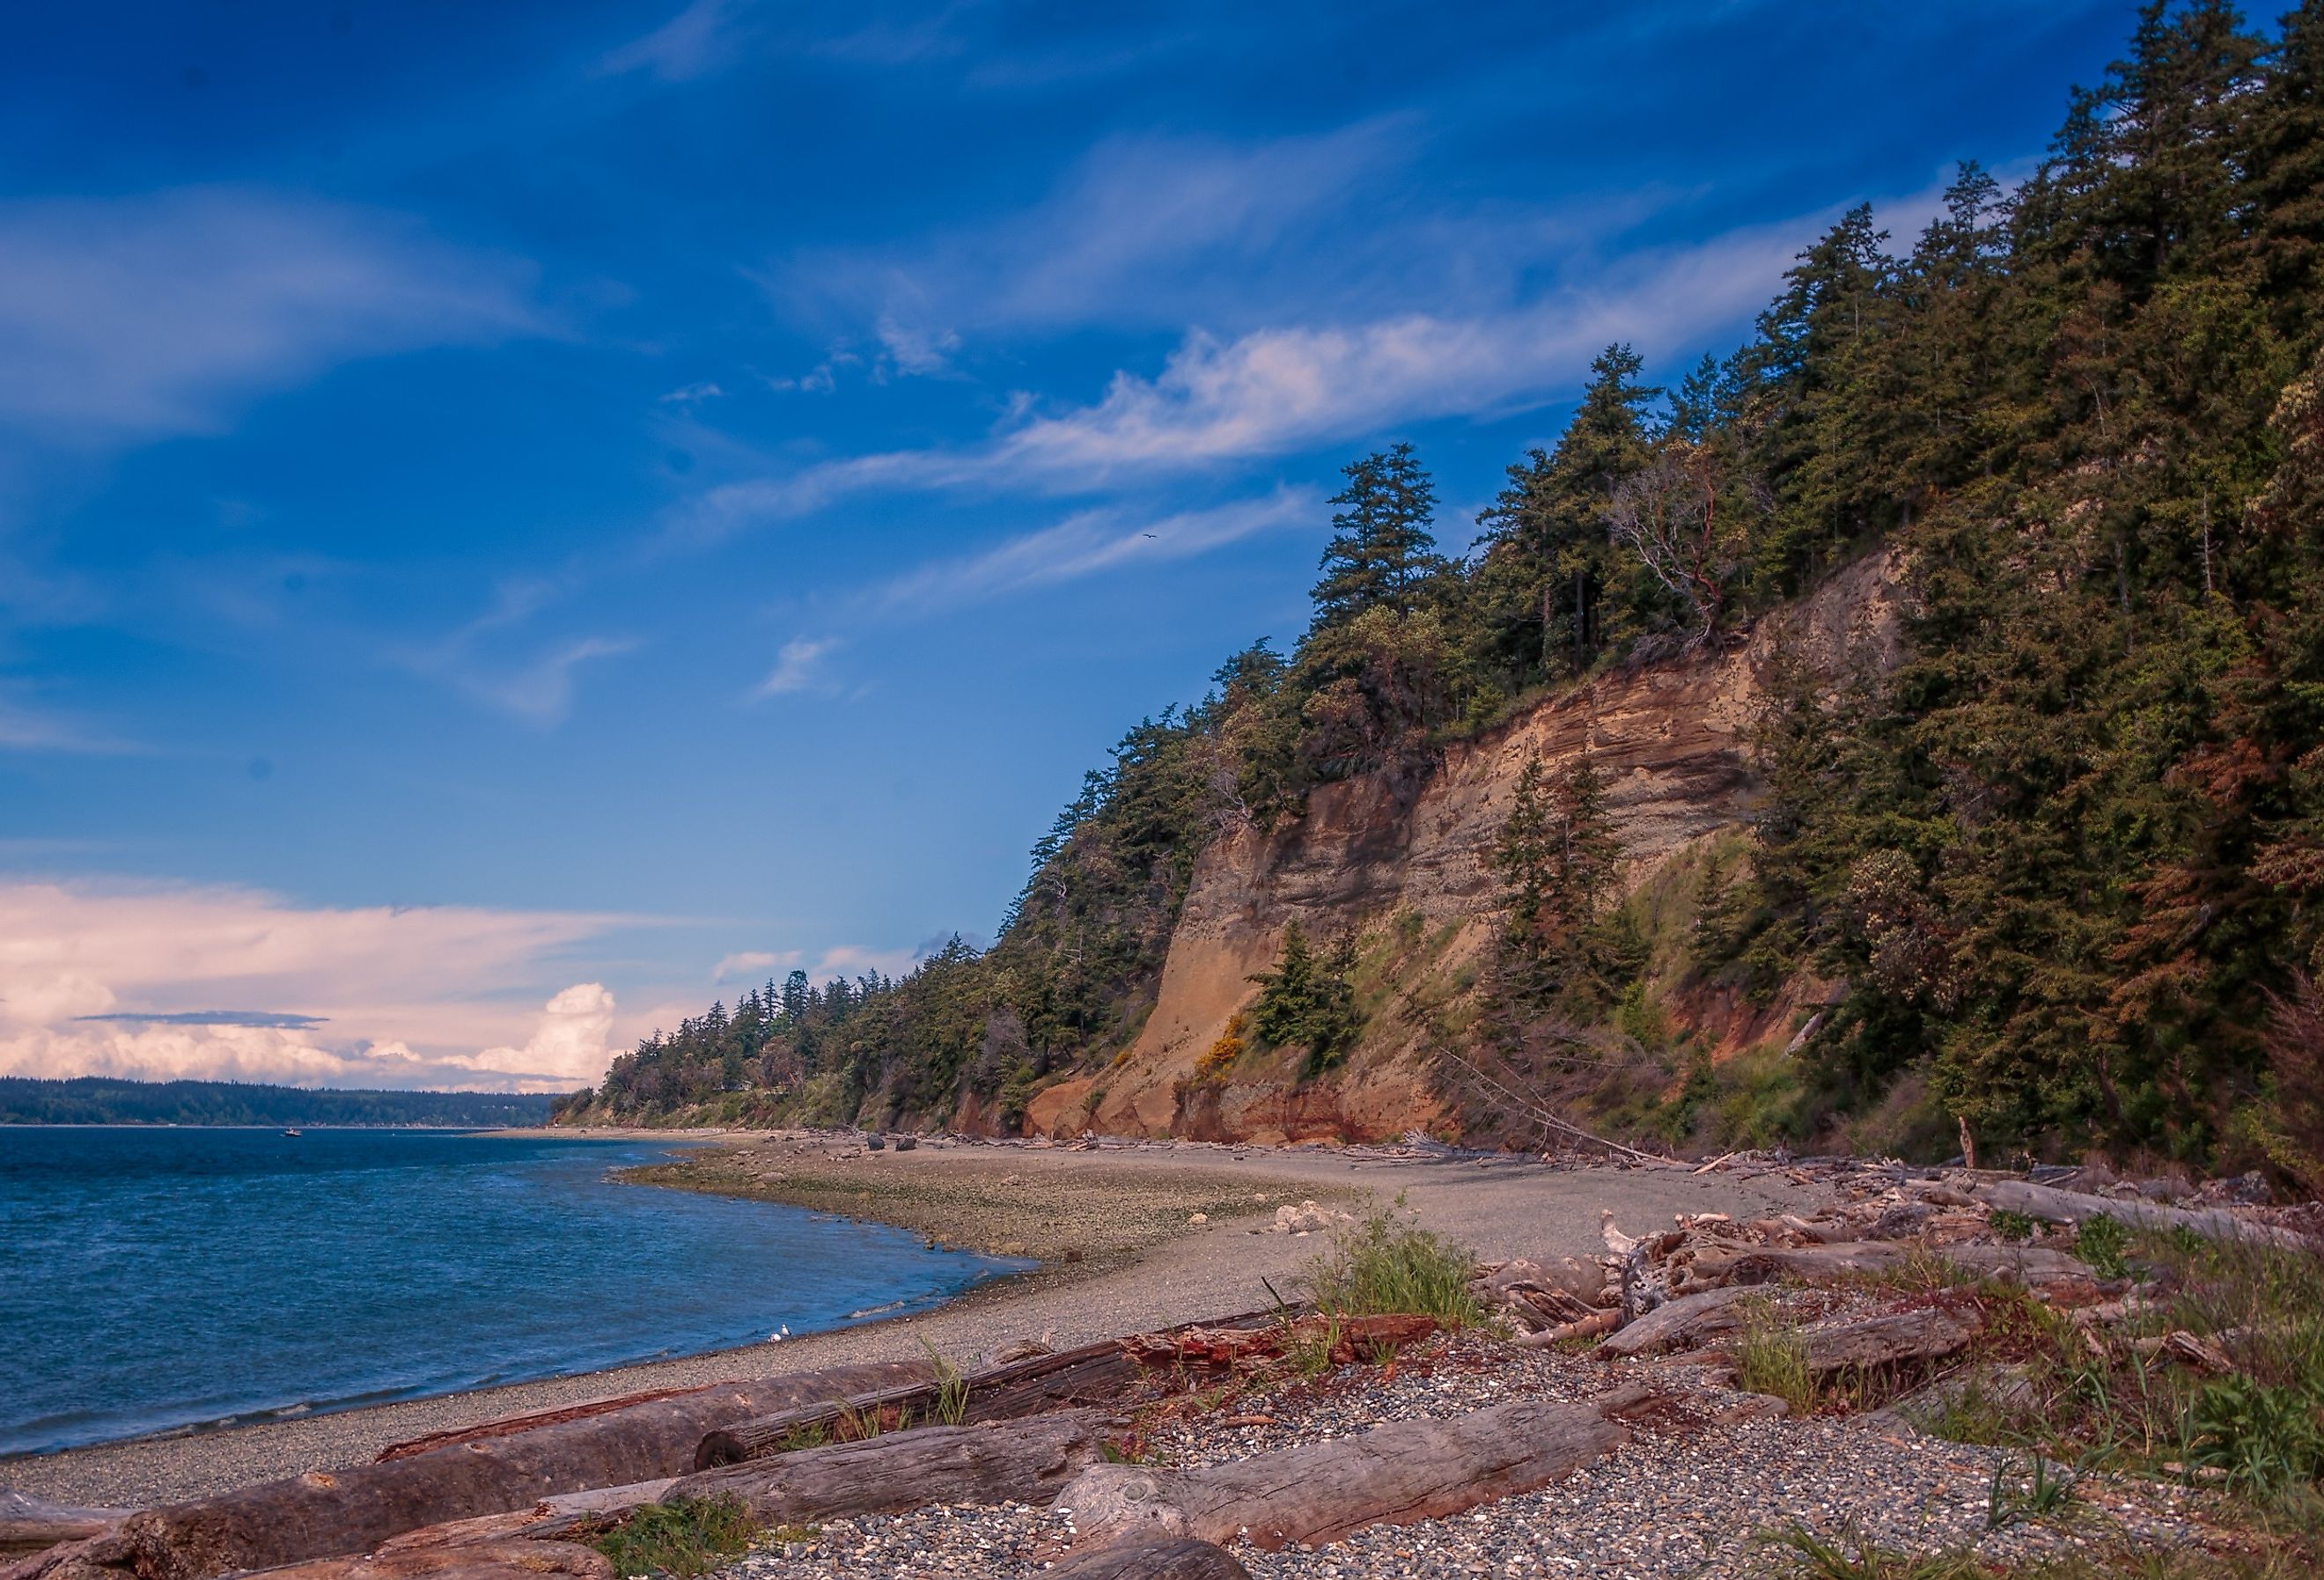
{"x":291,"y":1133}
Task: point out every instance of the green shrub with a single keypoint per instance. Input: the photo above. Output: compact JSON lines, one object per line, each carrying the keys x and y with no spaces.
{"x":690,"y":1536}
{"x":2268,"y":1437}
{"x":2105,"y":1244}
{"x":1385,"y":1265}
{"x":2012,"y":1225}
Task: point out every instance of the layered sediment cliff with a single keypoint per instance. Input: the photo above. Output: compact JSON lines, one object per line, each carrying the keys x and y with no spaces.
{"x":1413,"y":873}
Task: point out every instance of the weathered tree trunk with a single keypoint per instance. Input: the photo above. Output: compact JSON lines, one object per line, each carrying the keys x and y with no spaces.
{"x":326,"y":1513}
{"x":510,"y":1426}
{"x":31,"y":1525}
{"x":2073,"y":1206}
{"x":1751,"y":1264}
{"x":1320,"y":1492}
{"x":499,"y":1560}
{"x":1093,"y":1375}
{"x":1022,"y":1461}
{"x":1928,"y":1333}
{"x":1170,"y":1558}
{"x":1684,"y":1323}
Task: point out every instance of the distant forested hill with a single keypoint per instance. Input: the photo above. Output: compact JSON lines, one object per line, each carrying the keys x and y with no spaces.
{"x":92,"y":1100}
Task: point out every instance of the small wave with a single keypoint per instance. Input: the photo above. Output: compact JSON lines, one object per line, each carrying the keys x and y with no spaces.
{"x":877,"y":1310}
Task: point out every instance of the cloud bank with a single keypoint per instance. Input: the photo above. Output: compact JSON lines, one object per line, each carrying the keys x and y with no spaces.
{"x":121,"y":980}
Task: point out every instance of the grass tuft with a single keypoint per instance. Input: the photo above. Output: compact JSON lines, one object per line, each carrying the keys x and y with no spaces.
{"x":1386,"y":1265}
{"x":682,"y":1540}
{"x":1771,"y":1359}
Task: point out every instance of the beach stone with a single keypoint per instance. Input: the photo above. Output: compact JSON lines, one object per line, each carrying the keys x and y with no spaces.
{"x":873,"y":1140}
{"x":907,"y":1143}
{"x":1307,"y":1218}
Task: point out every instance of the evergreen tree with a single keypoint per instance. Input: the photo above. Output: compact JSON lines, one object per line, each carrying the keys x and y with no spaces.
{"x":1382,"y":554}
{"x":1535,"y":607}
{"x":1555,"y":855}
{"x":1306,"y":1002}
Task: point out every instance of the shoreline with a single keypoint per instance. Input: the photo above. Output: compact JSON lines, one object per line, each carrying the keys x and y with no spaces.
{"x":1109,"y":1230}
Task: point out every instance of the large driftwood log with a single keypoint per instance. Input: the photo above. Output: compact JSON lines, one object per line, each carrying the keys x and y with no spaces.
{"x":31,"y":1525}
{"x":499,"y":1560}
{"x":2073,"y":1206}
{"x":1683,"y":1324}
{"x":1393,"y":1474}
{"x":566,"y":1514}
{"x":510,"y":1426}
{"x":1749,"y":1264}
{"x":1169,"y":1558}
{"x":1019,"y":1462}
{"x":1093,"y":1374}
{"x":327,"y":1513}
{"x":1926,"y":1334}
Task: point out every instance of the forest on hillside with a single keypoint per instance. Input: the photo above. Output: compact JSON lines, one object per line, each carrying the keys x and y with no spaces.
{"x":2066,"y":858}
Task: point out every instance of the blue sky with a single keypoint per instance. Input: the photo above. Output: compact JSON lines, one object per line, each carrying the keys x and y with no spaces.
{"x":594,"y":504}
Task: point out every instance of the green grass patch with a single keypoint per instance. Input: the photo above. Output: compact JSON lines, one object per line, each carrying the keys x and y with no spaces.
{"x":1771,"y":1359}
{"x":688,"y":1538}
{"x":1386,"y":1265}
{"x":2039,"y":1384}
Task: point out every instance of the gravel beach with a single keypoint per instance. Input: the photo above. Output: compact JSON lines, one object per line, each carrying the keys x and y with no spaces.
{"x":1694,"y":1499}
{"x":1110,"y":1227}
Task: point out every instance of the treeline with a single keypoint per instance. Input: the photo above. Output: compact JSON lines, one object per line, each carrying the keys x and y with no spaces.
{"x":2064,"y":863}
{"x":100,"y":1100}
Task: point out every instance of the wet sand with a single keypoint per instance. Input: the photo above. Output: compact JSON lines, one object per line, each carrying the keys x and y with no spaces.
{"x":1110,"y":1227}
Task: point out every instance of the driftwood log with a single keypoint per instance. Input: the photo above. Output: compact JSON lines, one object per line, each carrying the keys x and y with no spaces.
{"x":327,"y":1513}
{"x":1093,"y":1375}
{"x":1683,"y":1324}
{"x":1394,"y":1473}
{"x":1169,"y":1558}
{"x":1018,"y":1462}
{"x":2073,"y":1206}
{"x":501,"y":1560}
{"x":31,"y":1525}
{"x":1926,"y":1334}
{"x":1922,"y":1333}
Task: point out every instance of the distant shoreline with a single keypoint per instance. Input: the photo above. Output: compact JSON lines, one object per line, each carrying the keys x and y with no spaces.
{"x":103,"y":1100}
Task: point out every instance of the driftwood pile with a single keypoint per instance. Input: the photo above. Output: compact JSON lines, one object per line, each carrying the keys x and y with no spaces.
{"x":1684,"y":1292}
{"x":523,"y":1496}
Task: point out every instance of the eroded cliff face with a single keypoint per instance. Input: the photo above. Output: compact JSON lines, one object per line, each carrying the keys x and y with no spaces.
{"x":1669,"y":741}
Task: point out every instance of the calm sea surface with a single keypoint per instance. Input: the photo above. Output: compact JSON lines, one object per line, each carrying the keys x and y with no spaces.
{"x":159,"y":1280}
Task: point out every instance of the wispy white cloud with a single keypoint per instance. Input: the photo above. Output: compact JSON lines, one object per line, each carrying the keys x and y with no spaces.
{"x":392,"y":996}
{"x":542,"y":691}
{"x":692,"y":394}
{"x":1141,"y":230}
{"x":1281,"y":389}
{"x":27,"y":726}
{"x":916,"y":351}
{"x":1219,"y":403}
{"x":850,"y":960}
{"x":474,"y":658}
{"x":129,"y":317}
{"x":754,"y":964}
{"x":699,"y":40}
{"x":798,"y":666}
{"x":1088,"y":543}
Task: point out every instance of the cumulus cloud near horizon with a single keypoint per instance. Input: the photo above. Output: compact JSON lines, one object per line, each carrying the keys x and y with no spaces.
{"x":119,"y":980}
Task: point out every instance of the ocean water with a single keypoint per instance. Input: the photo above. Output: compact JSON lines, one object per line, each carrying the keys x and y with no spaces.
{"x":165,"y":1279}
